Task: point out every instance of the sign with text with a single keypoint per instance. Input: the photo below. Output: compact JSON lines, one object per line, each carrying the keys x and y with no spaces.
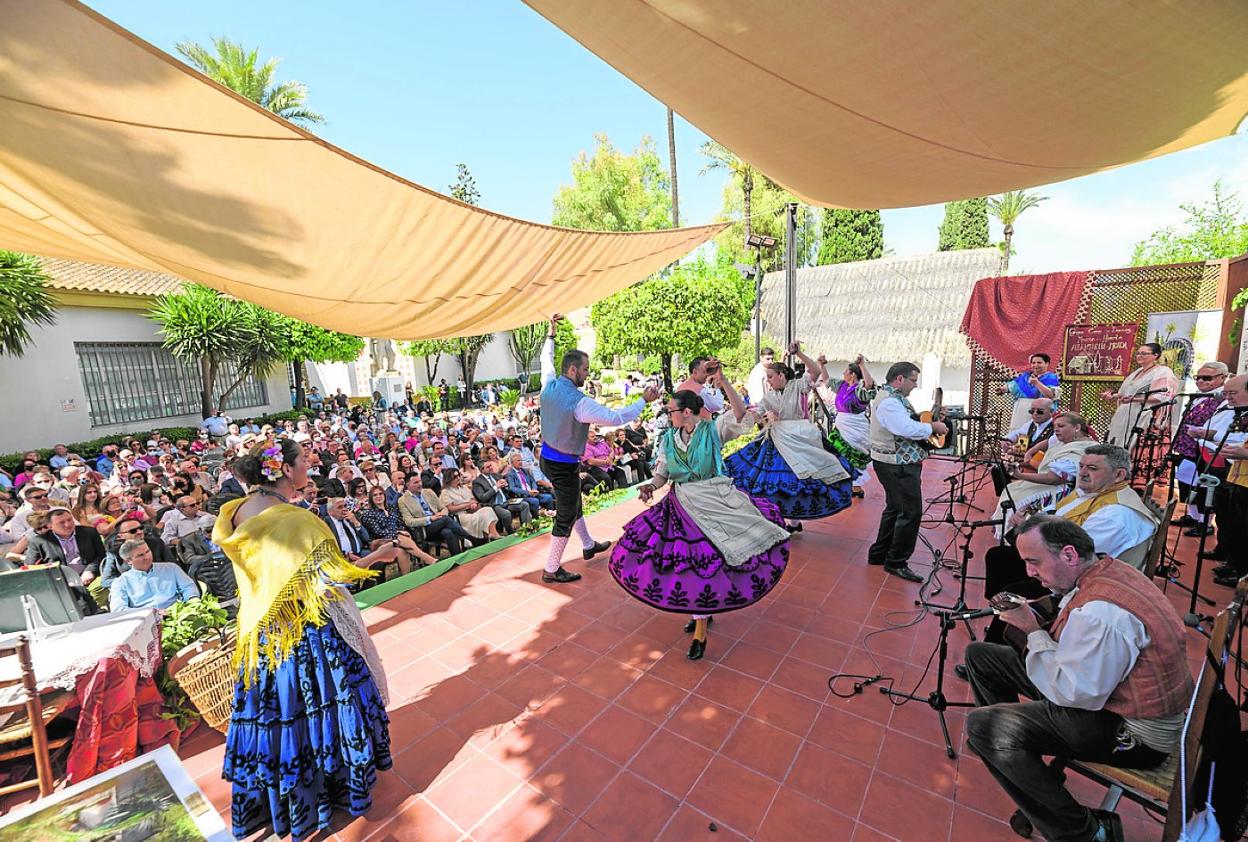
{"x":1098,"y":352}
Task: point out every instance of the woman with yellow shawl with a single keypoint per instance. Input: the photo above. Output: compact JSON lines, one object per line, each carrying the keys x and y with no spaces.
{"x":308,"y":730}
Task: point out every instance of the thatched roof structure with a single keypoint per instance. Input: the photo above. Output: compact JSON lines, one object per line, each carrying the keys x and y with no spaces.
{"x":891,"y":309}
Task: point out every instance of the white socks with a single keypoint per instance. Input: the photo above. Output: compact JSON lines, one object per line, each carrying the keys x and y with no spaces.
{"x":582,"y":532}
{"x":556,"y":552}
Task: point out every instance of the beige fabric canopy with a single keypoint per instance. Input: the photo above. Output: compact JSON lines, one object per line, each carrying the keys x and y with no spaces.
{"x":892,"y":103}
{"x":113,"y":152}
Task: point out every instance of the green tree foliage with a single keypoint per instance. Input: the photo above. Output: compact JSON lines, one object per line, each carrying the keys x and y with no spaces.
{"x":614,"y":191}
{"x":1007,"y":208}
{"x":849,"y":235}
{"x":526,"y":343}
{"x":24,"y":301}
{"x":468,"y":350}
{"x":465,"y":187}
{"x":965,"y":225}
{"x":698,"y":308}
{"x":202,"y":325}
{"x":431,"y":351}
{"x":239,"y":69}
{"x":308,"y":342}
{"x":1218,"y":228}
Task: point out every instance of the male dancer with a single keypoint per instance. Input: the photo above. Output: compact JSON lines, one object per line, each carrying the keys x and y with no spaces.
{"x":566,"y":416}
{"x":898,"y":461}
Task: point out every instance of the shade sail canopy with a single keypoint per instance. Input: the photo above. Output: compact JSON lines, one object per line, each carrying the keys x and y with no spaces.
{"x":113,"y":152}
{"x":894,"y":103}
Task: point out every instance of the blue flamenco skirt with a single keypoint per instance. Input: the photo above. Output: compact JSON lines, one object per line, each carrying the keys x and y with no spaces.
{"x":759,"y":470}
{"x":306,"y":739}
{"x":667,"y":562}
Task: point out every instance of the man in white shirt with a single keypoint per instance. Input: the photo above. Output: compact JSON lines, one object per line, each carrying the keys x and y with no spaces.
{"x":1038,"y":428}
{"x":1110,"y":683}
{"x":757,"y":381}
{"x":898,"y":461}
{"x":185,"y":519}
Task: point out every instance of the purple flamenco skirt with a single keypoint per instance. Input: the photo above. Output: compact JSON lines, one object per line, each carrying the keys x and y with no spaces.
{"x":665,"y":561}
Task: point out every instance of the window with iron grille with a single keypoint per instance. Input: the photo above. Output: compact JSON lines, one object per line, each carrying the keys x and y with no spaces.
{"x":139,"y":381}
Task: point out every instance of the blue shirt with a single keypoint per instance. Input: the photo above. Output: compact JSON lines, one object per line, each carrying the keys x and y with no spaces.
{"x":161,"y":586}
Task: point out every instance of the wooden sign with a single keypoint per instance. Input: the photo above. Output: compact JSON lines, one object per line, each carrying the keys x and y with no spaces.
{"x":1098,"y":352}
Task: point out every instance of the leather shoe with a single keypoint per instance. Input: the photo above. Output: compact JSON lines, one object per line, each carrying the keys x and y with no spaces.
{"x":599,"y":547}
{"x":560,"y":577}
{"x":697,"y":648}
{"x":902,"y":571}
{"x":1213,"y":555}
{"x":1186,"y":520}
{"x":1223,"y":569}
{"x":692,"y":624}
{"x":1108,"y":827}
{"x":1198,"y":530}
{"x":961,"y":672}
{"x":1230,"y":580}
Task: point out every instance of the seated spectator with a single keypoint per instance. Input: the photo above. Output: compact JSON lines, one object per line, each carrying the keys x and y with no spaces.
{"x":148,"y":584}
{"x":384,"y":523}
{"x":37,"y":524}
{"x":457,"y":498}
{"x":598,"y":464}
{"x":344,"y":471}
{"x":34,"y":499}
{"x":530,"y":462}
{"x":441,"y":460}
{"x":79,"y":548}
{"x":634,"y":455}
{"x":421,"y":510}
{"x":130,"y":530}
{"x":490,"y":489}
{"x":398,"y":479}
{"x":522,"y":485}
{"x":357,"y":494}
{"x":185,"y":519}
{"x":353,"y":539}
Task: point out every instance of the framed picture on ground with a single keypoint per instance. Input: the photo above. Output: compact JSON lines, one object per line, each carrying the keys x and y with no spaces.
{"x":149,"y":798}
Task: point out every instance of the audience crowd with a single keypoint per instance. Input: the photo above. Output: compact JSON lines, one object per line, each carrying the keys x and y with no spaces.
{"x":131,"y":526}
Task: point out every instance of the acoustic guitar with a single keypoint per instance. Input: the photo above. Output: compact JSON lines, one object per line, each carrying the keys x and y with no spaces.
{"x":936,"y":413}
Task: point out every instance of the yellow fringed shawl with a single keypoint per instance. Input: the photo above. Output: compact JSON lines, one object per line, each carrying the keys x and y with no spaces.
{"x":284,"y":559}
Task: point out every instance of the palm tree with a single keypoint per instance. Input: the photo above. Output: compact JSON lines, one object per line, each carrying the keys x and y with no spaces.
{"x":1008,"y":207}
{"x":240,"y":70}
{"x":24,"y":301}
{"x":721,"y":158}
{"x":671,"y":157}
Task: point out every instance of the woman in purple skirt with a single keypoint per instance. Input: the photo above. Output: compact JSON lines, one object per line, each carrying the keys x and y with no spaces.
{"x":706,"y":547}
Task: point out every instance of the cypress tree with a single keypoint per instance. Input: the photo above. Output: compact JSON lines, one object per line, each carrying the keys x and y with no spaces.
{"x":965,"y":225}
{"x":849,"y":235}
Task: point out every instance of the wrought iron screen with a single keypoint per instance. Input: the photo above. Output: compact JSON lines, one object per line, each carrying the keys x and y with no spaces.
{"x":139,"y":381}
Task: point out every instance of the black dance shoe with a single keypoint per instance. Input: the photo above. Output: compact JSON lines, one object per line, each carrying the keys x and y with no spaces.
{"x":697,"y":648}
{"x":560,"y":577}
{"x":692,"y":624}
{"x":793,"y":527}
{"x":902,"y":571}
{"x":961,"y":672}
{"x":601,"y":546}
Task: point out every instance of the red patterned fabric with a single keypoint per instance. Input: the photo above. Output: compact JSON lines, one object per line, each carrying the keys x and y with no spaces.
{"x":1008,"y":319}
{"x":119,"y":720}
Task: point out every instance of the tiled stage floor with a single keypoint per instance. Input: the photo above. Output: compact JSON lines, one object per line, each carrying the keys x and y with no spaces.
{"x":521,"y":711}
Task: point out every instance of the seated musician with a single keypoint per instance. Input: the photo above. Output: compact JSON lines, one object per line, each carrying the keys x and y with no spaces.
{"x":1038,"y":427}
{"x":1034,"y":490}
{"x":1109,"y":683}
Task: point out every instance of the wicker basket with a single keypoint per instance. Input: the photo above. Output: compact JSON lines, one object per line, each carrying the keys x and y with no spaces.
{"x":204,"y":673}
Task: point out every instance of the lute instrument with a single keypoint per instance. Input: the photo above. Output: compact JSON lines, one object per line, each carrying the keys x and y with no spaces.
{"x":936,"y":413}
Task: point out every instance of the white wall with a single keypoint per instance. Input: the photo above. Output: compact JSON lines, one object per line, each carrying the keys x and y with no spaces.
{"x":35,"y":386}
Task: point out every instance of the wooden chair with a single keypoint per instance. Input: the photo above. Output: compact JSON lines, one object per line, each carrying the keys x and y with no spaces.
{"x":1158,"y":547}
{"x":1160,"y":788}
{"x":26,"y":733}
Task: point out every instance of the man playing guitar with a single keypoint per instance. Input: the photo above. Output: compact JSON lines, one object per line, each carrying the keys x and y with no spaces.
{"x":898,"y":458}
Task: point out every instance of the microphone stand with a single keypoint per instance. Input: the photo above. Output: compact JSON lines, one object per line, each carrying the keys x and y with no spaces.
{"x":949,"y":615}
{"x":1210,"y":483}
{"x":1169,"y":565}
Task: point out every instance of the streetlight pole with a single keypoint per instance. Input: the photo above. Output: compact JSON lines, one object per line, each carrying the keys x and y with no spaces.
{"x":790,"y":274}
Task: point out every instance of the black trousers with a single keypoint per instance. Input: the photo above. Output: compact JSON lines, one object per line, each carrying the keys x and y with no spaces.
{"x":1231,"y":509}
{"x":447,"y":530}
{"x":565,"y":477}
{"x":1013,"y":738}
{"x":903,"y":509}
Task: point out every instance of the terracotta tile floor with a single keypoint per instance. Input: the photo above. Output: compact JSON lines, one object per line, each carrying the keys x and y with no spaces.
{"x":521,"y":711}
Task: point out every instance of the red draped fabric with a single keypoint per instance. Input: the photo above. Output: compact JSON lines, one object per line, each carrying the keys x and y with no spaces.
{"x":120,"y":719}
{"x":1008,"y":319}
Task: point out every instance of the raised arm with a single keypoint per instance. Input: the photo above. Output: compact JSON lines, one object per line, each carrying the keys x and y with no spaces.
{"x":549,"y":372}
{"x":813,"y":368}
{"x":734,"y":399}
{"x":867,"y":380}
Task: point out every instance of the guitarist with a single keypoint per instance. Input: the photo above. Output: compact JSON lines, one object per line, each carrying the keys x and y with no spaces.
{"x":1036,"y":430}
{"x":898,"y":460}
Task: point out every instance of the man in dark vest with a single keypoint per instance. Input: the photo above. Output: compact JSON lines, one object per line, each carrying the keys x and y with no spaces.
{"x":566,"y":416}
{"x":1109,"y":683}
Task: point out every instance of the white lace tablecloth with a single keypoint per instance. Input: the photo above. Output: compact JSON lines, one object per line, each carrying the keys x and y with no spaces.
{"x":133,"y":636}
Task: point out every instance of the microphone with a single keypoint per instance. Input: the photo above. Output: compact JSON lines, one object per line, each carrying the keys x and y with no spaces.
{"x":975,"y":524}
{"x":972,"y":615}
{"x":1162,"y":405}
{"x":1151,"y":392}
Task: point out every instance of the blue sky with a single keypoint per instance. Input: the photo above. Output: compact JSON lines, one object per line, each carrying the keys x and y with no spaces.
{"x":417,"y":87}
